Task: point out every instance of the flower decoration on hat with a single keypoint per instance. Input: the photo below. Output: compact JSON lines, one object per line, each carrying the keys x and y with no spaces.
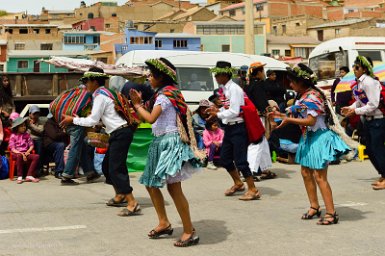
{"x":162,"y":67}
{"x":364,"y":62}
{"x":301,"y":73}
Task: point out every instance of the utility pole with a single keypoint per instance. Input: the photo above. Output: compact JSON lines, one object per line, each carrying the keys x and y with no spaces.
{"x":249,"y":27}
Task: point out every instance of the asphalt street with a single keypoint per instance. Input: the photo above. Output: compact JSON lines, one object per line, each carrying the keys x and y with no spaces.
{"x":49,"y":219}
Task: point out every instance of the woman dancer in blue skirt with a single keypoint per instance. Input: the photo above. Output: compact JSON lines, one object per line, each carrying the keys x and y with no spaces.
{"x":318,"y":145}
{"x":170,"y":160}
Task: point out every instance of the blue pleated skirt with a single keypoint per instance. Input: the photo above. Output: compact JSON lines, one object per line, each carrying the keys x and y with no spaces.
{"x":169,"y":161}
{"x":317,"y":149}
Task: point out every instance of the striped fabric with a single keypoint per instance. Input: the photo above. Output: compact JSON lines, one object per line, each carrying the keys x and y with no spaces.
{"x":76,"y":101}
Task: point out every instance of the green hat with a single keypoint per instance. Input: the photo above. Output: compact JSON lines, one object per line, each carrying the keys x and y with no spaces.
{"x":18,"y":121}
{"x":364,"y":62}
{"x":89,"y":74}
{"x":164,"y":66}
{"x":223,"y":67}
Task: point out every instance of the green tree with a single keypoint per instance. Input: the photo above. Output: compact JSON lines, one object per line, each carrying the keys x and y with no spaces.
{"x":3,"y":13}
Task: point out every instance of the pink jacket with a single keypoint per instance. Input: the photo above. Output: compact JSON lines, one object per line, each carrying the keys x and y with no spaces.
{"x":209,"y":137}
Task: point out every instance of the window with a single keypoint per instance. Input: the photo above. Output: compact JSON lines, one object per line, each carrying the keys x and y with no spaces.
{"x":275,"y":30}
{"x":180,"y":43}
{"x":19,"y":46}
{"x":225,"y":48}
{"x":23,"y":31}
{"x":48,"y":31}
{"x":141,"y":40}
{"x":297,"y":24}
{"x":337,"y":31}
{"x":36,"y":31}
{"x":74,"y":39}
{"x":46,"y":46}
{"x":287,"y":53}
{"x":320,"y":35}
{"x":113,"y":15}
{"x":283,"y":29}
{"x":9,"y":30}
{"x":232,"y":13}
{"x":108,"y":25}
{"x":326,"y":66}
{"x":22,"y":64}
{"x":195,"y":79}
{"x":90,"y":15}
{"x":276,"y":52}
{"x":259,"y":7}
{"x":172,"y":30}
{"x":374,"y":55}
{"x":93,"y":28}
{"x":96,"y":40}
{"x":103,"y":59}
{"x":125,"y":48}
{"x":158,"y":43}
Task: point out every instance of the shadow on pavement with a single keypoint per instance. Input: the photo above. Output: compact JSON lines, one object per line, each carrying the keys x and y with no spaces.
{"x":282,"y":173}
{"x":209,"y":231}
{"x":268,"y":191}
{"x":350,"y":214}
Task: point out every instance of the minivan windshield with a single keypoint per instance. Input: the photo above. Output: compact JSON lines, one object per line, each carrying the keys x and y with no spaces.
{"x":327,"y":66}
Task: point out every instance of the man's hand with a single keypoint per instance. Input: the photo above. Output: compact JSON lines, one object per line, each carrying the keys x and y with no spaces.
{"x":67,"y":120}
{"x":211,"y":112}
{"x":348,"y":112}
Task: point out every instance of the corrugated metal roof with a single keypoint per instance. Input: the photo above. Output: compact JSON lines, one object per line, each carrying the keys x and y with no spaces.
{"x":30,"y":25}
{"x":340,"y":23}
{"x":176,"y":35}
{"x":291,"y":40}
{"x":39,"y":53}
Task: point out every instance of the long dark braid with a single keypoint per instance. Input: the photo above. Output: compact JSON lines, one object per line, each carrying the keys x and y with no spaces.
{"x":328,"y":119}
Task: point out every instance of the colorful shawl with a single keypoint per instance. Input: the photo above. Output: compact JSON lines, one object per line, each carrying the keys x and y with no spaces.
{"x":310,"y":100}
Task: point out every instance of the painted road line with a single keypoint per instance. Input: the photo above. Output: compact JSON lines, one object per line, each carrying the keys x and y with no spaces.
{"x":28,"y":230}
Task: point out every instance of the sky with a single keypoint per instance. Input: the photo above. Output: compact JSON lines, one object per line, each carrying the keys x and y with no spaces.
{"x":34,"y":6}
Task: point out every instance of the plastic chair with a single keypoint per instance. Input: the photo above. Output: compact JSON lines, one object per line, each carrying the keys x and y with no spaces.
{"x":12,"y":164}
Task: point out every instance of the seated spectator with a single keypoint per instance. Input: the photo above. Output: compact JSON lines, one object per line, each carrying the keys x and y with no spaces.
{"x":194,"y":84}
{"x":199,"y":122}
{"x":212,"y":139}
{"x":54,"y":142}
{"x":21,"y":146}
{"x":36,"y":129}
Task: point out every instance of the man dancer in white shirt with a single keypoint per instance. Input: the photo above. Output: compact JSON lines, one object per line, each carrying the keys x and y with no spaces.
{"x":235,"y":142}
{"x":121,"y":135}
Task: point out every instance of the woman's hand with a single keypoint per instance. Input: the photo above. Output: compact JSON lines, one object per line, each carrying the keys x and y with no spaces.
{"x":211,"y":112}
{"x":284,"y":122}
{"x":67,"y":120}
{"x":136,"y":97}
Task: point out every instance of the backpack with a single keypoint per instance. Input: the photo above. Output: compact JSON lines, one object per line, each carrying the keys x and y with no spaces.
{"x":122,"y":105}
{"x":76,"y":101}
{"x":4,"y":168}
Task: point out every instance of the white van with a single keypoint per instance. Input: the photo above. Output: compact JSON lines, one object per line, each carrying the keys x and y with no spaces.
{"x":194,"y":77}
{"x":329,"y":56}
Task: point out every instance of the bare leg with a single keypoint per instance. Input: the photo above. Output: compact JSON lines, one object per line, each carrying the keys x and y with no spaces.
{"x":131,"y":202}
{"x":236,"y":178}
{"x":326,"y":191}
{"x":182,"y":207}
{"x":311,"y":188}
{"x":158,"y":202}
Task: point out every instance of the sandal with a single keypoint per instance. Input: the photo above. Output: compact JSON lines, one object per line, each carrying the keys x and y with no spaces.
{"x":231,"y":191}
{"x":126,"y":212}
{"x":267,"y":175}
{"x":308,"y":216}
{"x":192,"y":240}
{"x":32,"y":179}
{"x":156,"y":234}
{"x":112,"y":202}
{"x":378,"y":181}
{"x":329,"y":219}
{"x":248,"y":196}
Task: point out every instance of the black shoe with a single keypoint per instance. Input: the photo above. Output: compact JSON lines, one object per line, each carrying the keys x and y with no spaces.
{"x":68,"y":182}
{"x":58,"y":175}
{"x":92,"y":177}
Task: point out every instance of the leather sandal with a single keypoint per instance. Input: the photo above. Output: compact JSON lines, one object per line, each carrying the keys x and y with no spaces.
{"x":329,"y":219}
{"x":126,"y":212}
{"x":231,"y":191}
{"x":121,"y":203}
{"x":192,"y":240}
{"x":157,"y":234}
{"x":249,"y":196}
{"x":308,"y":216}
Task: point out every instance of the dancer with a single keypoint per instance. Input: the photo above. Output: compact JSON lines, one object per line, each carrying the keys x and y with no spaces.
{"x":318,"y":145}
{"x":367,"y":93}
{"x":170,"y":160}
{"x":121,"y":134}
{"x":235,"y":142}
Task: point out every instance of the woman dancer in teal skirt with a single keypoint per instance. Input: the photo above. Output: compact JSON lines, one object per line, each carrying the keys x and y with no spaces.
{"x":318,"y":145}
{"x":170,"y":160}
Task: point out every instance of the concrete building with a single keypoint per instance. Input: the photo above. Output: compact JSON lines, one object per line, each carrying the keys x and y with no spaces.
{"x":31,"y":36}
{"x":81,"y":40}
{"x":226,"y":36}
{"x":336,"y":29}
{"x":54,"y":15}
{"x":293,"y":25}
{"x":3,"y":55}
{"x":290,"y":46}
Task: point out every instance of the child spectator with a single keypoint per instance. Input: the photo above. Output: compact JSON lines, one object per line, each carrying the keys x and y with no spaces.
{"x":21,"y":146}
{"x":36,"y":129}
{"x":199,"y":121}
{"x":212,"y":139}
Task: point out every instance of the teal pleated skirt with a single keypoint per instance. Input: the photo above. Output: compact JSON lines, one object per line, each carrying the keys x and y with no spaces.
{"x":317,"y":149}
{"x":169,"y":161}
